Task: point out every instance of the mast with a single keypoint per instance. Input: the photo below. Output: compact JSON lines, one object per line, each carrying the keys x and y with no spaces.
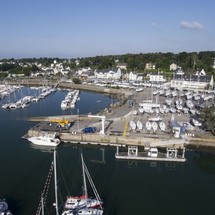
{"x":55,"y":181}
{"x":84,"y":176}
{"x":42,"y":205}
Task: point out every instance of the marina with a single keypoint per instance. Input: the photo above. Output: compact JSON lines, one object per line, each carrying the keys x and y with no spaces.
{"x":110,"y":175}
{"x":111,"y":128}
{"x":156,"y":120}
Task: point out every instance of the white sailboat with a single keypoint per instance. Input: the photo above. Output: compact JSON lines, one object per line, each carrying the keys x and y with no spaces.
{"x":154,"y":126}
{"x":162,"y":126}
{"x":139,"y":125}
{"x":196,"y":123}
{"x":189,"y":104}
{"x":133,"y":125}
{"x":148,"y":126}
{"x":84,"y":204}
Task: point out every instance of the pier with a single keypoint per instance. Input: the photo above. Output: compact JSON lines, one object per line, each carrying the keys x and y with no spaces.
{"x":113,"y":134}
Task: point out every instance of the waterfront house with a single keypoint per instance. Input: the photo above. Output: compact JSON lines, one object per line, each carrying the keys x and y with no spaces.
{"x":111,"y":74}
{"x":197,"y":81}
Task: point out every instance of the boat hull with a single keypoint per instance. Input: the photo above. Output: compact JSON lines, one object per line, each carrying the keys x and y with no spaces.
{"x":45,"y":140}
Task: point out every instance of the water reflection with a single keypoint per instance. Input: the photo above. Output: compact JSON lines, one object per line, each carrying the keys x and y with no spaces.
{"x":46,"y":149}
{"x":205,"y":162}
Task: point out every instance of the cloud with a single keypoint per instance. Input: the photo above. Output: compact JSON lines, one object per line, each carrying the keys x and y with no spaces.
{"x":191,"y":25}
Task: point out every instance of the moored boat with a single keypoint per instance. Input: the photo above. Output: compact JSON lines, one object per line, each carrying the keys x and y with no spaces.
{"x":45,"y":140}
{"x":84,"y":204}
{"x":4,"y":208}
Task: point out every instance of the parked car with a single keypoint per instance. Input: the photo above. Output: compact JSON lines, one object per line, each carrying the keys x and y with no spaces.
{"x":89,"y":130}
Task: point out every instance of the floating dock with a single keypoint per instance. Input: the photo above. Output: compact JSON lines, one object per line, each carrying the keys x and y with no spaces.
{"x":171,"y":155}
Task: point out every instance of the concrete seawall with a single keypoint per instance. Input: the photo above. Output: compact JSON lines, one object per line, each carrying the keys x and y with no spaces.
{"x":98,"y":139}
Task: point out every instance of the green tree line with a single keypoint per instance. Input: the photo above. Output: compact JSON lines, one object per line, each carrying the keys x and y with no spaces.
{"x":189,"y":62}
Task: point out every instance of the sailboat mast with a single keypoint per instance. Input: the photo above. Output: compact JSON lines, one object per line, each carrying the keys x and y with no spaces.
{"x":42,"y":205}
{"x":84,"y":176}
{"x":55,"y":181}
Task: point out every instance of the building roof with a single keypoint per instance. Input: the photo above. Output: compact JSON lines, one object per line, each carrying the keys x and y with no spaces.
{"x":107,"y":70}
{"x":195,"y":78}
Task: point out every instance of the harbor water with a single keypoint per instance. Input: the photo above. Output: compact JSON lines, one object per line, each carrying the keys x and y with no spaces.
{"x":126,"y":187}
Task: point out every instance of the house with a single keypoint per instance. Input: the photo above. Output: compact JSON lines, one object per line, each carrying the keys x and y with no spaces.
{"x":132,"y":76}
{"x":83,"y":70}
{"x":178,"y":71}
{"x":87,"y":74}
{"x":122,"y":66}
{"x":156,"y":77}
{"x":149,"y":66}
{"x":173,"y":66}
{"x":113,"y":74}
{"x":65,"y":71}
{"x":197,"y":81}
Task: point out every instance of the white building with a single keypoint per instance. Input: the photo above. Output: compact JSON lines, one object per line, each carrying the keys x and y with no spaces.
{"x":197,"y":81}
{"x":150,"y":66}
{"x":83,"y":70}
{"x":113,"y":74}
{"x":156,"y":77}
{"x":132,"y":76}
{"x":122,"y":66}
{"x":173,"y":66}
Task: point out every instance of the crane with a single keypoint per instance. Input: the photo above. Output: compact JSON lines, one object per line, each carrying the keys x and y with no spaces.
{"x":103,"y":121}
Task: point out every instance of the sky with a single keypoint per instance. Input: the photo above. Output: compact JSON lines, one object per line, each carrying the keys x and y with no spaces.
{"x":88,"y":28}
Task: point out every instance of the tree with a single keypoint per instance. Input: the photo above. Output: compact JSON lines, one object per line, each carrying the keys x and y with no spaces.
{"x":26,"y":71}
{"x":208,"y":117}
{"x":34,"y":68}
{"x":76,"y":80}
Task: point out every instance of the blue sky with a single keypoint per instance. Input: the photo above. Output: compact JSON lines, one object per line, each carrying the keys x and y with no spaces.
{"x":85,"y":28}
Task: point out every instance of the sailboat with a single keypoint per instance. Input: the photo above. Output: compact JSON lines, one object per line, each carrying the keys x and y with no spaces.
{"x":4,"y":208}
{"x":148,"y":126}
{"x":162,"y":126}
{"x":84,"y":204}
{"x":139,"y":125}
{"x":133,"y":125}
